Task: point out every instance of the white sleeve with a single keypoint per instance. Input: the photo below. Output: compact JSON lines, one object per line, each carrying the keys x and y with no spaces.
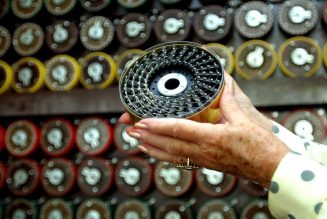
{"x":312,"y":150}
{"x":298,"y":189}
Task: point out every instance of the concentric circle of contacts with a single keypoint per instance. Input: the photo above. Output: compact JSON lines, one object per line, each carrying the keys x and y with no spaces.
{"x":255,"y":59}
{"x":5,"y":40}
{"x":59,"y":8}
{"x":299,"y":56}
{"x":216,"y":208}
{"x":94,"y":208}
{"x":180,"y":79}
{"x":298,"y":17}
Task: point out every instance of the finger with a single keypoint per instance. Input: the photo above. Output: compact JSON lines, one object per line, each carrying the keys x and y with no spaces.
{"x":161,"y":155}
{"x":173,"y":146}
{"x":237,"y":90}
{"x":229,"y":107}
{"x":125,"y":118}
{"x":184,"y":129}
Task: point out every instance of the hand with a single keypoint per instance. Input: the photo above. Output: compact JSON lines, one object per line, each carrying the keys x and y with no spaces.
{"x":246,"y":105}
{"x":238,"y":145}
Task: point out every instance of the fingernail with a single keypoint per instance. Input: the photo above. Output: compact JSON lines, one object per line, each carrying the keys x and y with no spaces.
{"x":141,"y":125}
{"x":135,"y":135}
{"x":143,"y":149}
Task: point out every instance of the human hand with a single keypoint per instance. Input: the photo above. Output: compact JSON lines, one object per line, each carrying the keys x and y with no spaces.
{"x":246,"y":105}
{"x":238,"y":145}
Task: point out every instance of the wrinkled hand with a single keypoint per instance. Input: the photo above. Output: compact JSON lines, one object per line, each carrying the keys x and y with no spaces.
{"x":239,"y":144}
{"x":246,"y":105}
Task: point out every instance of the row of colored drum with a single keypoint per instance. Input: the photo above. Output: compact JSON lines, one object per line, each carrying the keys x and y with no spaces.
{"x":30,"y":8}
{"x":213,"y":23}
{"x":132,"y":209}
{"x":94,"y":136}
{"x":307,"y":123}
{"x":253,"y":19}
{"x":257,"y":59}
{"x":254,"y":59}
{"x":132,"y":176}
{"x":57,"y":137}
{"x":96,"y":70}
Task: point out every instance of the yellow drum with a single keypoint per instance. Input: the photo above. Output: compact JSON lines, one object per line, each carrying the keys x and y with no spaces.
{"x":225,"y":55}
{"x":299,"y":57}
{"x":325,"y":54}
{"x":29,"y":74}
{"x":6,"y":76}
{"x":125,"y":59}
{"x":98,"y":70}
{"x":255,"y":59}
{"x":62,"y":73}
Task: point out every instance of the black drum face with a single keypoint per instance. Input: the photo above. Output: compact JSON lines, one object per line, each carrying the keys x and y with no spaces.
{"x":134,"y":176}
{"x":93,"y":208}
{"x":225,"y":55}
{"x":98,"y":70}
{"x":253,"y":188}
{"x":173,"y":209}
{"x":56,"y":208}
{"x":299,"y":57}
{"x":325,"y":54}
{"x":28,"y":75}
{"x":212,"y":23}
{"x":325,"y":13}
{"x":21,"y":208}
{"x":97,"y":33}
{"x":125,"y":59}
{"x":174,"y":3}
{"x":131,"y":4}
{"x":172,"y":80}
{"x":254,"y":19}
{"x":62,"y":36}
{"x":298,"y":17}
{"x":132,"y":208}
{"x":62,"y":73}
{"x":23,"y":177}
{"x":216,"y":209}
{"x":26,"y":9}
{"x":94,"y":5}
{"x":58,"y":176}
{"x":124,"y":142}
{"x":207,"y":2}
{"x":5,"y":40}
{"x":57,"y":137}
{"x":171,"y":180}
{"x":256,"y":209}
{"x":22,"y":138}
{"x":59,"y":7}
{"x":306,"y":124}
{"x":172,"y":25}
{"x":28,"y":39}
{"x":134,"y":30}
{"x":215,"y":183}
{"x":4,"y":8}
{"x":95,"y":176}
{"x":3,"y":175}
{"x":94,"y":136}
{"x":255,"y":59}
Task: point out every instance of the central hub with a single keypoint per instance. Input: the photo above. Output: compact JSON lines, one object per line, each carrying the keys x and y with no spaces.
{"x":171,"y":82}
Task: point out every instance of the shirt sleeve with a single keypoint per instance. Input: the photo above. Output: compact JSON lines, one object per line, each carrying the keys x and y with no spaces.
{"x":312,"y":150}
{"x":298,"y":189}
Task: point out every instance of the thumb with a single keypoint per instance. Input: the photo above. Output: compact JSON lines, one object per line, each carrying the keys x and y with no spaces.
{"x":229,"y":106}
